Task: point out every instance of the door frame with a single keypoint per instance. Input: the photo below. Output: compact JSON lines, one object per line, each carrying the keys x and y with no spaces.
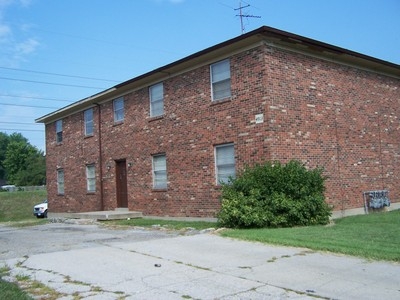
{"x":121,"y":183}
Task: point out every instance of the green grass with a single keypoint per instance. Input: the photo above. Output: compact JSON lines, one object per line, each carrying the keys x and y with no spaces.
{"x":374,"y":236}
{"x":169,"y":224}
{"x":10,"y":290}
{"x":18,"y":206}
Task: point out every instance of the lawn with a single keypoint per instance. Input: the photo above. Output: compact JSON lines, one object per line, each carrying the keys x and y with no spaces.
{"x":9,"y":290}
{"x":374,"y":236}
{"x":17,"y":207}
{"x":168,"y":224}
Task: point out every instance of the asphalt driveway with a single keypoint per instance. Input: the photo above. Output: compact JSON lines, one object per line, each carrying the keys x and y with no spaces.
{"x":94,"y":262}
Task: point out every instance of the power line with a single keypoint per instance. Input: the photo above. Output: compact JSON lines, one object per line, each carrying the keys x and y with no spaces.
{"x":128,"y":45}
{"x":15,"y":129}
{"x":20,"y":117}
{"x":56,"y":74}
{"x":18,"y":123}
{"x":32,"y":97}
{"x":53,"y":83}
{"x":34,"y":106}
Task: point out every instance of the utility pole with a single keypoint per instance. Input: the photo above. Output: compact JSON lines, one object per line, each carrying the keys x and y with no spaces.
{"x":242,"y":15}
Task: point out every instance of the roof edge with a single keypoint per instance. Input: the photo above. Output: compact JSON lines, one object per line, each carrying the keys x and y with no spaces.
{"x":86,"y":101}
{"x":259,"y":33}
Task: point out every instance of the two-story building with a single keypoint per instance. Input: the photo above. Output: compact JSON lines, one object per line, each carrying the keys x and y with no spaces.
{"x":162,"y":142}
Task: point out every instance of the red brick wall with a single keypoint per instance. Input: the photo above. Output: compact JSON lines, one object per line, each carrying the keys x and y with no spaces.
{"x":322,"y":113}
{"x":72,"y":155}
{"x":337,"y":117}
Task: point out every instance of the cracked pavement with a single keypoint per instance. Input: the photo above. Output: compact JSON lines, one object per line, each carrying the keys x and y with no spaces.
{"x":89,"y":261}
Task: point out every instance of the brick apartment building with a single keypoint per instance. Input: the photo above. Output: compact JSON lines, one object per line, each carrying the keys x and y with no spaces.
{"x":160,"y":143}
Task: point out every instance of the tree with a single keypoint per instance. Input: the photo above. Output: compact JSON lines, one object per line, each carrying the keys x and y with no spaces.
{"x":23,"y":163}
{"x":35,"y":171}
{"x":18,"y":137}
{"x":4,"y":139}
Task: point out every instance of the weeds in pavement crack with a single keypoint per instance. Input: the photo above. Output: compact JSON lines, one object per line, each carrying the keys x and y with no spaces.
{"x":67,"y":279}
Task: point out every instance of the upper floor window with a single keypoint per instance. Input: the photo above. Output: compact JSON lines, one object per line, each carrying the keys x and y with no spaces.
{"x":91,"y":178}
{"x":225,"y":163}
{"x":88,"y":119}
{"x":159,"y":171}
{"x":60,"y":181}
{"x":156,"y":100}
{"x":221,"y":80}
{"x":59,"y":131}
{"x":118,"y":110}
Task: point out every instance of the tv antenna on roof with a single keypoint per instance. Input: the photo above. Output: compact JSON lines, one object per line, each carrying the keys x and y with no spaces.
{"x":243,"y":15}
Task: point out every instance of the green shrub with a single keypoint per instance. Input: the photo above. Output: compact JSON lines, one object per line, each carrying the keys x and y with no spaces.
{"x":274,"y":195}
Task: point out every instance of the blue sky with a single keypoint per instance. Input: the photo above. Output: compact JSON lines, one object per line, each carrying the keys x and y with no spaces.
{"x":55,"y":52}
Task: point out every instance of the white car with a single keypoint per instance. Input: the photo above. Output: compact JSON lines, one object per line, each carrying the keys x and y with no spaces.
{"x":9,"y":188}
{"x":40,"y":210}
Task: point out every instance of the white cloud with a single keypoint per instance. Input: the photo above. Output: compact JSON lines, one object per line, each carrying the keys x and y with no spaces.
{"x":5,"y":32}
{"x":15,"y":40}
{"x":169,"y":1}
{"x":23,"y":3}
{"x":4,"y":3}
{"x":26,"y":47}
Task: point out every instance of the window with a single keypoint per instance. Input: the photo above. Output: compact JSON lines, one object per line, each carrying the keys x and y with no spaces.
{"x":59,"y":131}
{"x":159,"y":172}
{"x":60,"y":181}
{"x":225,"y":163}
{"x":118,"y":110}
{"x":91,"y":178}
{"x":156,"y":100}
{"x":88,"y":116}
{"x":221,"y":80}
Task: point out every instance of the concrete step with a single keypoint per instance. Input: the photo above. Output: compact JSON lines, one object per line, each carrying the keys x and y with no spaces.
{"x":100,"y":215}
{"x":122,"y":209}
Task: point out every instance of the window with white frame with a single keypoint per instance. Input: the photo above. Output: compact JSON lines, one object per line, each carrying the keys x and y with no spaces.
{"x":159,"y":171}
{"x":156,"y":100}
{"x":88,"y":119}
{"x":59,"y":131}
{"x":221,"y":80}
{"x":118,"y":110}
{"x":91,"y":178}
{"x":224,"y":163}
{"x":60,"y":181}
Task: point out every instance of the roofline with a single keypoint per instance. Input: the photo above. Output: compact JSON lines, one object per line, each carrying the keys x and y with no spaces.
{"x":84,"y":102}
{"x":269,"y":32}
{"x":277,"y":37}
{"x":331,"y":47}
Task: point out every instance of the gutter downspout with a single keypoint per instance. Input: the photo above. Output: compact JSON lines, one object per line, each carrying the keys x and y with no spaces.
{"x":100,"y":160}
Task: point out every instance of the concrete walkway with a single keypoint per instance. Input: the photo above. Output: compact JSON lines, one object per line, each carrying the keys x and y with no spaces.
{"x":207,"y":266}
{"x":121,"y":214}
{"x":118,"y":214}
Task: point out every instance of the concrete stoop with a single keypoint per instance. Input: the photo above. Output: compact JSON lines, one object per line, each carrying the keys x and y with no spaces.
{"x":118,"y":214}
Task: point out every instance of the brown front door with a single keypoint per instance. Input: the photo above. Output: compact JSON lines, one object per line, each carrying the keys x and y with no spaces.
{"x":122,"y":188}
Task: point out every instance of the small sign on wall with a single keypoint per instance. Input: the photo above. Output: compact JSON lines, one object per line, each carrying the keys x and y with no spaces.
{"x":259,"y":118}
